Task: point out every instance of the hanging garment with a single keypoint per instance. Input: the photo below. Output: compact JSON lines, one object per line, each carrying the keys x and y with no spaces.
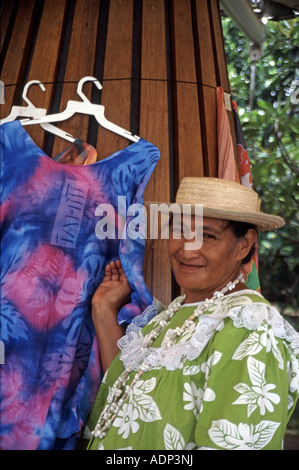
{"x":227,"y":169}
{"x":244,"y":162}
{"x":252,"y":281}
{"x":52,"y":261}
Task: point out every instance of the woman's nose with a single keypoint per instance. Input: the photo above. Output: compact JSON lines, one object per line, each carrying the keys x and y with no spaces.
{"x":192,"y":241}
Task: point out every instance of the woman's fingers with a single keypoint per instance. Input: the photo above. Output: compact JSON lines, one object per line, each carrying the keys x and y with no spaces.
{"x":113,"y":271}
{"x":114,"y":288}
{"x":121,"y":272}
{"x":107,"y":273}
{"x":115,"y":274}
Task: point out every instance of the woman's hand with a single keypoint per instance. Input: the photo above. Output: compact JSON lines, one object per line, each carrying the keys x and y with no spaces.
{"x":113,"y":292}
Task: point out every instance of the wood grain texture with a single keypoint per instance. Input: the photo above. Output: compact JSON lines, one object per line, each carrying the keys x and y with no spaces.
{"x":116,"y":94}
{"x":45,"y":58}
{"x":17,"y":55}
{"x":80,"y":63}
{"x":188,"y":145}
{"x":159,"y":62}
{"x":154,"y":126}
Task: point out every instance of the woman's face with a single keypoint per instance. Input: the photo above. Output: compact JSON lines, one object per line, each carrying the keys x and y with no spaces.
{"x":202,"y":271}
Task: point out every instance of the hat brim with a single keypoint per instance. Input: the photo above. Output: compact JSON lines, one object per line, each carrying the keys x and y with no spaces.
{"x":260,"y":220}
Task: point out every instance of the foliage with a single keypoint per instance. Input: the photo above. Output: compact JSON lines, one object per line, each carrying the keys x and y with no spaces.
{"x":271,"y":129}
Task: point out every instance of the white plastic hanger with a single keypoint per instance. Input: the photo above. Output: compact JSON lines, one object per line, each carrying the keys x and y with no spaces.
{"x":26,"y":111}
{"x":83,"y":107}
{"x":31,"y":111}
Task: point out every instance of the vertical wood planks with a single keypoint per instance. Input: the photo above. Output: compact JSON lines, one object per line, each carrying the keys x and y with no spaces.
{"x":80,"y":63}
{"x":159,"y":62}
{"x":189,"y":157}
{"x":219,"y":53}
{"x":206,"y":73}
{"x":17,"y":55}
{"x":205,"y":50}
{"x":210,"y":145}
{"x":116,"y":94}
{"x":45,"y":58}
{"x":154,"y":126}
{"x":220,"y":60}
{"x":6,"y":18}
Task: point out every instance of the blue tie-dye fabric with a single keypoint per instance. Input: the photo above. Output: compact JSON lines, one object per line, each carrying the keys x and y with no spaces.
{"x":52,"y":262}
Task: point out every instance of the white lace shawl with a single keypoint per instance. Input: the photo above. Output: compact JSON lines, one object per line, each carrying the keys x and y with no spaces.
{"x":238,"y":306}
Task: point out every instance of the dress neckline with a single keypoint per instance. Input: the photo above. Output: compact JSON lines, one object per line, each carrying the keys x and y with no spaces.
{"x":243,"y":291}
{"x":28,"y":141}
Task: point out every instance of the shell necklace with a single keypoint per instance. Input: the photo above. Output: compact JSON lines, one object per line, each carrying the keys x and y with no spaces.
{"x":120,"y":391}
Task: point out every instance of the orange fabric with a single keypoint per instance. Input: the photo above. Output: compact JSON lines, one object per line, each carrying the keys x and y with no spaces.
{"x":227,"y":168}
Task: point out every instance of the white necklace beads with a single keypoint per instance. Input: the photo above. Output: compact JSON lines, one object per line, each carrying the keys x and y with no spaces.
{"x":120,"y":391}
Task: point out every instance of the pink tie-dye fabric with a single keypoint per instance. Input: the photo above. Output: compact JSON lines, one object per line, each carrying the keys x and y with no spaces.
{"x":51,"y":264}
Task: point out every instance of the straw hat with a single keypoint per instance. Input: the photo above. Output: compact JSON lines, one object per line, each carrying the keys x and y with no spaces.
{"x":224,"y":199}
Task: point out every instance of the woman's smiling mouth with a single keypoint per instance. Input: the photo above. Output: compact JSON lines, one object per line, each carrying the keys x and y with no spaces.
{"x":189,"y":266}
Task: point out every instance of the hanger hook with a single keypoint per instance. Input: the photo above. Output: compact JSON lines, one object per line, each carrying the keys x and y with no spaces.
{"x":27,"y":86}
{"x":80,"y":86}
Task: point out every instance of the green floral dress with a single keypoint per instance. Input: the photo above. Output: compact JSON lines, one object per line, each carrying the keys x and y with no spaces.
{"x":230,"y":383}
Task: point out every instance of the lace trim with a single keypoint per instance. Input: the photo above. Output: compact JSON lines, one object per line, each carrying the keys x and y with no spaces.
{"x":249,"y":316}
{"x":252,"y":316}
{"x":141,"y":320}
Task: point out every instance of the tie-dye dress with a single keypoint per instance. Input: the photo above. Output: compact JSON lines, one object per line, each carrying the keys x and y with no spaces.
{"x":53,"y":254}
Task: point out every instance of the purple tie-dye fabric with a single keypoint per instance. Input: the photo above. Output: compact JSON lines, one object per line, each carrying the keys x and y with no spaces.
{"x":51,"y":263}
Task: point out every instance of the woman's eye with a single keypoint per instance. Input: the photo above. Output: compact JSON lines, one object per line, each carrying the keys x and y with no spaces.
{"x":209,"y":236}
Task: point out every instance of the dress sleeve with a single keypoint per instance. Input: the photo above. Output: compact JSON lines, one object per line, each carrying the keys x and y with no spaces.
{"x":250,"y":391}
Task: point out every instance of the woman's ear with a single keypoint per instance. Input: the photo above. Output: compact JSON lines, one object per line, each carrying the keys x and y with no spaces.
{"x":246,"y":242}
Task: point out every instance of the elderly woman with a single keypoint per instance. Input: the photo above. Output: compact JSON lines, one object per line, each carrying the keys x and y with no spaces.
{"x":218,"y":368}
